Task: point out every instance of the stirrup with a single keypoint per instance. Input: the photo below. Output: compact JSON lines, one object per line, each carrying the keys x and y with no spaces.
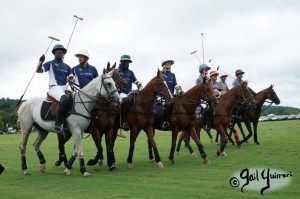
{"x":60,"y":128}
{"x":166,"y":126}
{"x":125,"y":126}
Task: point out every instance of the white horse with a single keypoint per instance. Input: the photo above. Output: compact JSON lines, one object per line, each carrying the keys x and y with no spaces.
{"x":84,"y":101}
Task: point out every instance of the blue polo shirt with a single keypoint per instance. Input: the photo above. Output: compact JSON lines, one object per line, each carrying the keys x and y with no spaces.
{"x":170,"y":79}
{"x":129,"y":76}
{"x":58,"y":72}
{"x":83,"y":76}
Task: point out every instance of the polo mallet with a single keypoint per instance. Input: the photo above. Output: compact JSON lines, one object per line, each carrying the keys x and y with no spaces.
{"x":194,"y":53}
{"x":19,"y":102}
{"x":202,"y":47}
{"x":220,"y":69}
{"x":77,"y":18}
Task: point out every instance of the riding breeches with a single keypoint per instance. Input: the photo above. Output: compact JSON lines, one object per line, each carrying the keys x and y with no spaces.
{"x":56,"y":92}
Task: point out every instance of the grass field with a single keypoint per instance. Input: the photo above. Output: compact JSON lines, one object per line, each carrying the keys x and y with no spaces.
{"x":188,"y":178}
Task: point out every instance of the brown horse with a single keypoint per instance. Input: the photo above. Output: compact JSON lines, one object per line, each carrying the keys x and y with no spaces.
{"x":103,"y":118}
{"x":222,"y":117}
{"x":252,"y":114}
{"x":140,"y":116}
{"x":183,"y":116}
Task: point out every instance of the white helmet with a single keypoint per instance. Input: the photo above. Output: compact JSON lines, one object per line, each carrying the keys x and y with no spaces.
{"x":83,"y":52}
{"x":163,"y":61}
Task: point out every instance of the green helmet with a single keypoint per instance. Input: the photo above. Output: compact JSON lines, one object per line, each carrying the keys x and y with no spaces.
{"x":59,"y":47}
{"x":125,"y":58}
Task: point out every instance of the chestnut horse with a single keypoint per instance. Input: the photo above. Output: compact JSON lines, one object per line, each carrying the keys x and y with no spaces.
{"x":140,"y":116}
{"x":252,"y":114}
{"x":183,"y":116}
{"x":103,"y":118}
{"x":222,"y":117}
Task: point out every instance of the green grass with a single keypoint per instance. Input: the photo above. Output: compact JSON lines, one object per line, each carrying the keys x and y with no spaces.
{"x":188,"y":178}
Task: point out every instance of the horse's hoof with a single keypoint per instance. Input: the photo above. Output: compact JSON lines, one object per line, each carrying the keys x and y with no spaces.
{"x":43,"y":168}
{"x":152,"y":161}
{"x":100,"y":162}
{"x":160,"y":165}
{"x":257,"y":143}
{"x":194,"y":154}
{"x":57,"y":163}
{"x":211,"y":141}
{"x":26,"y":173}
{"x":206,"y":161}
{"x":173,"y":161}
{"x":218,"y":153}
{"x":177,"y":153}
{"x":224,"y":154}
{"x":67,"y":172}
{"x":130,"y":165}
{"x":86,"y":174}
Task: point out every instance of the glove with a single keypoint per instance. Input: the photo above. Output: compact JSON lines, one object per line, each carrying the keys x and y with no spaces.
{"x":138,"y":84}
{"x":42,"y":58}
{"x":179,"y":92}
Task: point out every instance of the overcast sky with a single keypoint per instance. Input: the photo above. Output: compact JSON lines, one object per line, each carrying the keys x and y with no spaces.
{"x":258,"y":36}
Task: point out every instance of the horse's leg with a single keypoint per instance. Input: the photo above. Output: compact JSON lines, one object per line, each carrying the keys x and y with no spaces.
{"x":133,"y":136}
{"x":97,"y":138}
{"x":149,"y":132}
{"x":241,"y":129}
{"x":150,"y":149}
{"x":24,"y":139}
{"x":62,"y":140}
{"x":224,"y":141}
{"x":173,"y":144}
{"x":108,"y":141}
{"x":199,"y":144}
{"x":187,"y":145}
{"x":36,"y":145}
{"x":255,"y":132}
{"x":217,"y":137}
{"x":179,"y":143}
{"x":236,"y":136}
{"x":78,"y":151}
{"x":209,"y":135}
{"x":248,"y":126}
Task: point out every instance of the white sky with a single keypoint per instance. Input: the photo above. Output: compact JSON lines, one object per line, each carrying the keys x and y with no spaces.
{"x":261,"y":37}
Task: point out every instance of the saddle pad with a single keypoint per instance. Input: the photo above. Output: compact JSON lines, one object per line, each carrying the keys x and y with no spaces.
{"x":48,"y":110}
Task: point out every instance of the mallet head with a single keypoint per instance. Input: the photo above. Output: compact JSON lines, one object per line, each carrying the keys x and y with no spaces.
{"x":78,"y":17}
{"x":54,"y":38}
{"x":193,"y":52}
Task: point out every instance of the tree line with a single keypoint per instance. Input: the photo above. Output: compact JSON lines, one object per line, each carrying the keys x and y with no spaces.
{"x":9,"y":118}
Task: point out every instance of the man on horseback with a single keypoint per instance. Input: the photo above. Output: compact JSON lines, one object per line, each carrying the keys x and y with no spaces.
{"x":203,"y":109}
{"x":129,"y":76}
{"x":222,"y":83}
{"x":171,"y":81}
{"x":84,"y":72}
{"x":59,"y":74}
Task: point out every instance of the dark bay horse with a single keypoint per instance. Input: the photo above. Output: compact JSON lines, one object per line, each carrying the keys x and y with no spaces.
{"x":103,"y":117}
{"x":252,"y":114}
{"x":140,"y":116}
{"x":183,"y":116}
{"x":222,"y":117}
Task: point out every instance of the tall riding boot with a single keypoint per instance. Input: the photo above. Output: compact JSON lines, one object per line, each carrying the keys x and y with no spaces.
{"x":125,"y":125}
{"x":63,"y":104}
{"x":166,"y":125}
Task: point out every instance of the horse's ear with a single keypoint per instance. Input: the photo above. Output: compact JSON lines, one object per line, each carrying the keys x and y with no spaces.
{"x":205,"y":80}
{"x":108,"y":65}
{"x":271,"y":85}
{"x":158,"y":72}
{"x":103,"y":70}
{"x":114,"y":66}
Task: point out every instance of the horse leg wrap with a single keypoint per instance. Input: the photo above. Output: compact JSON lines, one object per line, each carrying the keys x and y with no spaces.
{"x":41,"y":157}
{"x":178,"y":145}
{"x":237,"y":139}
{"x":171,"y":156}
{"x":70,"y":162}
{"x":201,"y":150}
{"x":150,"y":153}
{"x":82,"y":165}
{"x":156,"y":154}
{"x":189,"y":148}
{"x":23,"y":162}
{"x":222,"y":146}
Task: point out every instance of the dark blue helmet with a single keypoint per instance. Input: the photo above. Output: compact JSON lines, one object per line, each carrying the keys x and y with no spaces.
{"x":202,"y":67}
{"x":59,"y":47}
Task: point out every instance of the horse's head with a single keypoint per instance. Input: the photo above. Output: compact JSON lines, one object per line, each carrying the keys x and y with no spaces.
{"x":206,"y":91}
{"x":245,"y":94}
{"x":110,"y":90}
{"x":120,"y":82}
{"x":272,"y":95}
{"x":160,"y":86}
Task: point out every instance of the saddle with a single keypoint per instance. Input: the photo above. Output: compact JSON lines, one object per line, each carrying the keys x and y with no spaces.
{"x":49,"y":108}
